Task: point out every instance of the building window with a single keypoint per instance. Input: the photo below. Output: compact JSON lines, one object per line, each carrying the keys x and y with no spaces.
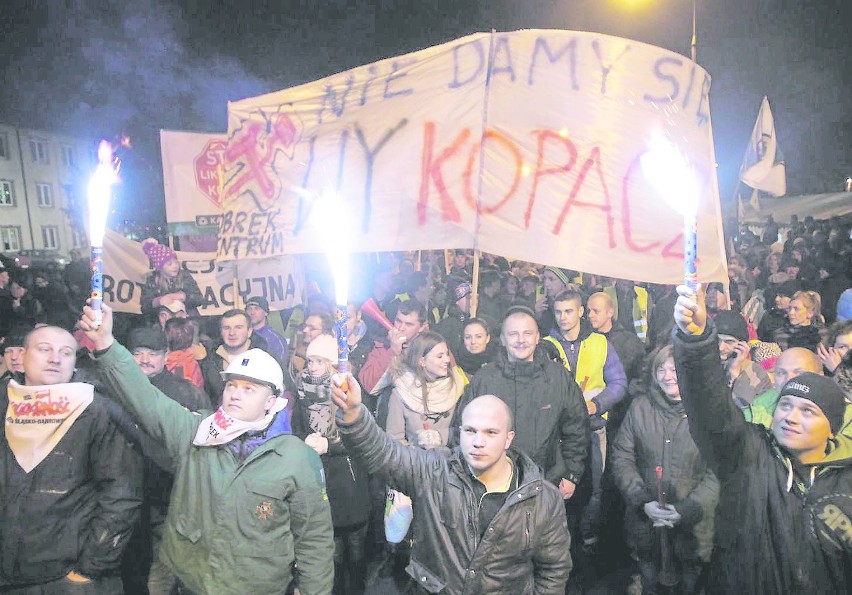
{"x":50,"y":237}
{"x":79,"y":238}
{"x":68,"y":159}
{"x":7,"y":194}
{"x":68,"y":194}
{"x":38,"y":151}
{"x":4,"y":146}
{"x":45,"y":195}
{"x":10,"y":238}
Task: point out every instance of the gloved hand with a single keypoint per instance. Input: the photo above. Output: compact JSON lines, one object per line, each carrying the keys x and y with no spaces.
{"x":662,"y":516}
{"x":318,"y":442}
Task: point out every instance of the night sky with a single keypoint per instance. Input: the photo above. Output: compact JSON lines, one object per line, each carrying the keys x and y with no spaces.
{"x":104,"y":68}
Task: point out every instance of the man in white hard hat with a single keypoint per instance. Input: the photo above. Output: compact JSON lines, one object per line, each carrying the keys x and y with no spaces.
{"x":248,"y":511}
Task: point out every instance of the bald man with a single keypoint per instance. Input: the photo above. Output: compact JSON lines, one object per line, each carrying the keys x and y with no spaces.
{"x":485,"y":519}
{"x":600,"y":311}
{"x":70,"y":490}
{"x":790,"y":363}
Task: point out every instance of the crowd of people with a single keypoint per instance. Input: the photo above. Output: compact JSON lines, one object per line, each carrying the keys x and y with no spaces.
{"x":531,"y":430}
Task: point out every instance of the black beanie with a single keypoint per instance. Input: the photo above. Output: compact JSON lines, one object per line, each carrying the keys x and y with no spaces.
{"x":731,"y":323}
{"x":148,"y":337}
{"x":823,"y":392}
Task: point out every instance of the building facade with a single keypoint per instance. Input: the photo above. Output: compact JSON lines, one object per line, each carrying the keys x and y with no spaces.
{"x":40,"y":177}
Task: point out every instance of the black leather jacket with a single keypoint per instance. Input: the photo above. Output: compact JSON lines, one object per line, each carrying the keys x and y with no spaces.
{"x":523,"y":550}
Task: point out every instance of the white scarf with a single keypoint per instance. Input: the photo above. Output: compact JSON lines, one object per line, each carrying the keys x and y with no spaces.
{"x":441,"y":394}
{"x":38,"y":417}
{"x":220,"y":428}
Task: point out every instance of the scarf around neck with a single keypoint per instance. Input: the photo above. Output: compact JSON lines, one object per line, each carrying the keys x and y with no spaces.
{"x":315,"y":396}
{"x":441,"y":394}
{"x":220,"y":428}
{"x":38,"y":417}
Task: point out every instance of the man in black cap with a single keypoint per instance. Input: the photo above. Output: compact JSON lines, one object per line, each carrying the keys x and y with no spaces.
{"x":554,"y":281}
{"x":786,"y":491}
{"x":12,"y":351}
{"x":258,"y":310}
{"x":746,"y":378}
{"x":148,"y":346}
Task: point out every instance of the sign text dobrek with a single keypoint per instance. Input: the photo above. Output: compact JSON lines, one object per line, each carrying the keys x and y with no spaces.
{"x":523,"y":144}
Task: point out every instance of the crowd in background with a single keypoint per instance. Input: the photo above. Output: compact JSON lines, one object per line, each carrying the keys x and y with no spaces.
{"x":788,"y":309}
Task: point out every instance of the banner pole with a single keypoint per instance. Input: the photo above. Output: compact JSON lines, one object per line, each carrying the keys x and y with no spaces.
{"x":477,"y":253}
{"x":474,"y":297}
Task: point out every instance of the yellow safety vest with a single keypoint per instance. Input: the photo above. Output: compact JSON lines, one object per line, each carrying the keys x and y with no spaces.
{"x":640,"y":310}
{"x":590,"y":361}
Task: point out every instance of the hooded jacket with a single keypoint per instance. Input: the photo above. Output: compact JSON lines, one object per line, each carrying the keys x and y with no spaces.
{"x":523,"y":550}
{"x":550,"y":417}
{"x":234,"y":526}
{"x":777,"y":531}
{"x":656,"y":432}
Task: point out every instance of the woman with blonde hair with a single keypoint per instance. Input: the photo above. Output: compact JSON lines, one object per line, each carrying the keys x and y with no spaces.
{"x":426,"y":388}
{"x":804,"y":322}
{"x":347,"y":482}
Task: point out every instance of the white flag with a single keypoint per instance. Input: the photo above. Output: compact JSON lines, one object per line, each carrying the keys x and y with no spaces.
{"x":763,"y":164}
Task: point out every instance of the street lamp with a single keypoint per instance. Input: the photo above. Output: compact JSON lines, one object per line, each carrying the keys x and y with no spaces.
{"x":693,"y":44}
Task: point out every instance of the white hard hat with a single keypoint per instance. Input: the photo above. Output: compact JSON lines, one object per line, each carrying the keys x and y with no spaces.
{"x":256,"y":364}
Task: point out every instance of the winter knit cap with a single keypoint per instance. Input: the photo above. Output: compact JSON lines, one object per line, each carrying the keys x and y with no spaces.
{"x":765,"y":354}
{"x":823,"y":392}
{"x":519,"y":309}
{"x":15,"y":337}
{"x":732,"y":324}
{"x":148,"y":337}
{"x":563,"y":275}
{"x":324,"y":346}
{"x":788,"y":288}
{"x":462,"y":290}
{"x":157,"y":253}
{"x":258,"y":301}
{"x":844,"y":305}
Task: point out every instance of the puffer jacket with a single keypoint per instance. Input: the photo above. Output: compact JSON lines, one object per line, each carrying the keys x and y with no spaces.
{"x":551,"y":421}
{"x":775,"y":533}
{"x":232,"y":527}
{"x":656,"y":432}
{"x":523,"y":551}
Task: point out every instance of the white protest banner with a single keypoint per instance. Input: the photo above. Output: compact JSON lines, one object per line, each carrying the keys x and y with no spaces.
{"x":278,"y":279}
{"x":523,"y":144}
{"x":191,"y":166}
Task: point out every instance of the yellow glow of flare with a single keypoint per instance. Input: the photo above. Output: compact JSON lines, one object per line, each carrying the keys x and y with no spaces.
{"x":100,"y":192}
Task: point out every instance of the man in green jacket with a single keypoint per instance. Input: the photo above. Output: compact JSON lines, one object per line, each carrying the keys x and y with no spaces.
{"x":248,"y":510}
